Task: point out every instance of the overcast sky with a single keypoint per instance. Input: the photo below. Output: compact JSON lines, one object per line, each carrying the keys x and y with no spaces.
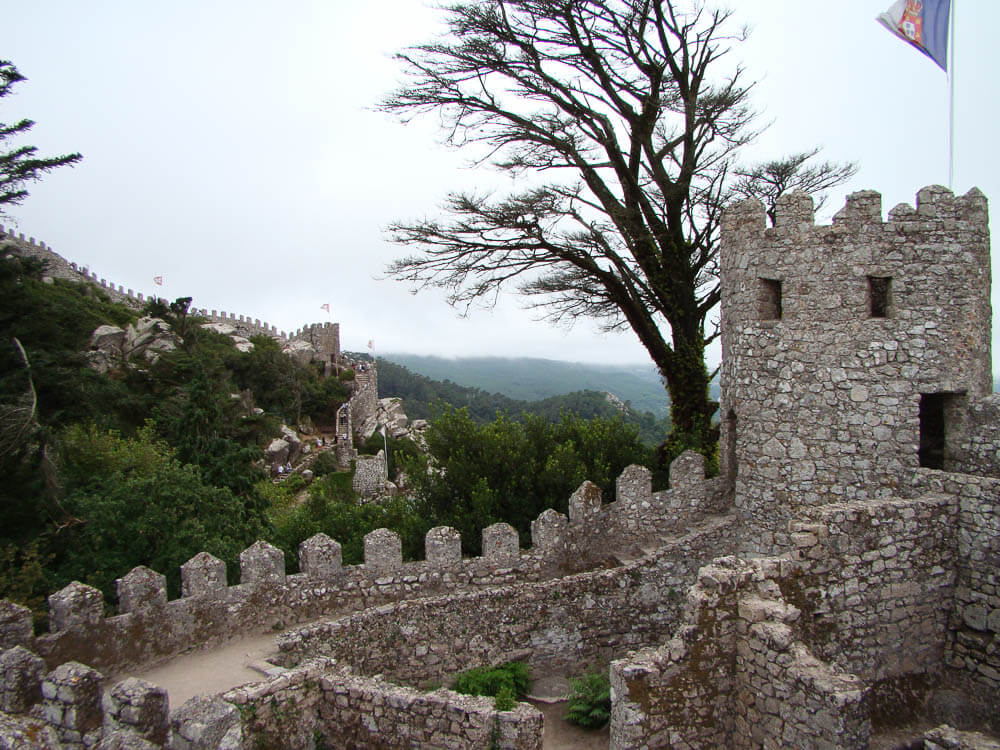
{"x":231,"y":146}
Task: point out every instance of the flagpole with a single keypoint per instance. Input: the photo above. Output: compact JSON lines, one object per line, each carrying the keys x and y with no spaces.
{"x":951,"y":100}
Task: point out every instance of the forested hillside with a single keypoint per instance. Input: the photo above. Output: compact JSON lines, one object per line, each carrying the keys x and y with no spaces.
{"x":423,"y":397}
{"x":530,"y":379}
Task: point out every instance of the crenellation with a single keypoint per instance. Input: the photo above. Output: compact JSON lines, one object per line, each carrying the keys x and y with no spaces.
{"x":74,"y":607}
{"x":500,"y":543}
{"x":443,"y":546}
{"x":262,"y":563}
{"x":15,"y":625}
{"x":21,"y":674}
{"x":141,"y":589}
{"x":204,"y":575}
{"x":383,"y":551}
{"x":320,"y":557}
{"x":72,"y":703}
{"x":137,"y":707}
{"x":549,"y":532}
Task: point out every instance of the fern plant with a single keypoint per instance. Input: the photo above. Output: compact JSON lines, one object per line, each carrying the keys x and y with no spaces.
{"x":590,"y":700}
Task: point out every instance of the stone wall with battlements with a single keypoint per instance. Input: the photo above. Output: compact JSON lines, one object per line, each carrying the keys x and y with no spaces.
{"x":148,"y":627}
{"x":837,"y":339}
{"x":559,"y":626}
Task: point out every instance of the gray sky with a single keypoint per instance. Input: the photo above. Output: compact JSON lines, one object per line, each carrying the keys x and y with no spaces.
{"x":231,"y":146}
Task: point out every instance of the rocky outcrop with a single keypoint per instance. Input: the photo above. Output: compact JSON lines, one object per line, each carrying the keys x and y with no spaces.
{"x":389,"y":412}
{"x":242,"y":343}
{"x":146,"y":340}
{"x":301,"y":351}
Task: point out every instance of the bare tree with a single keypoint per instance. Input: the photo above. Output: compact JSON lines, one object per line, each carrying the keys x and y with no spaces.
{"x":628,"y":117}
{"x":769,"y":180}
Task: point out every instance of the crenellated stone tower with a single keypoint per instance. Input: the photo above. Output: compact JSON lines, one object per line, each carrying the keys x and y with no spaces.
{"x":851,"y":352}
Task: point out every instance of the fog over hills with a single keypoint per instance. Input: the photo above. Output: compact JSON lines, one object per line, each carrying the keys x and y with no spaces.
{"x":531,"y":379}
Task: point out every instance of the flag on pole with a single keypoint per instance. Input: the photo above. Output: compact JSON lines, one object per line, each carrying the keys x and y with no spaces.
{"x":325,"y":306}
{"x":158,"y":280}
{"x":922,"y":23}
{"x":371,"y":343}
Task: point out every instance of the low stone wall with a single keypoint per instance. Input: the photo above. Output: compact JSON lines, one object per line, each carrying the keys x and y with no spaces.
{"x":557,"y":626}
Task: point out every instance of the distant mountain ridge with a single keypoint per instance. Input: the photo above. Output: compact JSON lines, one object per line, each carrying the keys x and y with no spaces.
{"x":531,"y":379}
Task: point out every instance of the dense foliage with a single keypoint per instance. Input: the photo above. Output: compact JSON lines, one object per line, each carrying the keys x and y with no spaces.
{"x":511,"y":471}
{"x":513,"y":677}
{"x":146,"y":464}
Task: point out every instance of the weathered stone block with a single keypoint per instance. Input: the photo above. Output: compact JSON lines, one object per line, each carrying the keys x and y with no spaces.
{"x":443,"y":546}
{"x":20,"y":679}
{"x":383,"y":550}
{"x":75,"y":606}
{"x":549,"y":531}
{"x":585,"y":503}
{"x":320,"y":557}
{"x":203,"y":575}
{"x":262,"y":563}
{"x":634,"y":485}
{"x":137,"y":706}
{"x":73,"y":692}
{"x":15,"y":625}
{"x":142,"y":589}
{"x":201,"y":723}
{"x":500,"y":543}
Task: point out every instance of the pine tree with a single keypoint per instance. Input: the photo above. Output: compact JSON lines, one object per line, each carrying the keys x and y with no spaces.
{"x":20,"y":165}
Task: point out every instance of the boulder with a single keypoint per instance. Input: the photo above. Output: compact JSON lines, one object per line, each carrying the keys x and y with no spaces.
{"x":301,"y":351}
{"x":149,"y":338}
{"x":108,"y":339}
{"x":276,"y":454}
{"x":294,"y":443}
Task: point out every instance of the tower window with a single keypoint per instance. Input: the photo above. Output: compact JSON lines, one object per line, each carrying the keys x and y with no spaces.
{"x":770,"y":299}
{"x":878,"y":296}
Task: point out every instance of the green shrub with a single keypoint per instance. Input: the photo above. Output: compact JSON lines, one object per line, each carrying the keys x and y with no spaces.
{"x":325,"y":463}
{"x":504,"y":700}
{"x":512,"y":677}
{"x":590,"y":700}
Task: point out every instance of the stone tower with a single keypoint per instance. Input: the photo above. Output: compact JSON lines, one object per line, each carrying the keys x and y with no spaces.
{"x":850,"y":352}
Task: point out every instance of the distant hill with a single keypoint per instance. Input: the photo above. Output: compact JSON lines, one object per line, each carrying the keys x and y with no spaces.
{"x":528,"y":379}
{"x":421,"y":395}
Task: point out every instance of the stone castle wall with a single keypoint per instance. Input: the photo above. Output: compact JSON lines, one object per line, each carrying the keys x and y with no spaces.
{"x":833,"y":336}
{"x":148,"y":627}
{"x":559,"y":626}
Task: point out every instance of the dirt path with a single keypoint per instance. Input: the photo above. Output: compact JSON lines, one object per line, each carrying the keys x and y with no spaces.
{"x":211,"y":671}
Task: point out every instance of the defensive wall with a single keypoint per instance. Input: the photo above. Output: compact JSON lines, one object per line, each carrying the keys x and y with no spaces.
{"x":642,"y":595}
{"x":325,"y":335}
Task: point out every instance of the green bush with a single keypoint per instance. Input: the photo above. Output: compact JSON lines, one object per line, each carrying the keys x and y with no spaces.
{"x":512,"y":678}
{"x":504,"y":700}
{"x":325,"y":463}
{"x":590,"y":700}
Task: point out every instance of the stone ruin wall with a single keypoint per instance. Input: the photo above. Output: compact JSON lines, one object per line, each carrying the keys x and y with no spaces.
{"x":810,"y":649}
{"x":821,"y":394}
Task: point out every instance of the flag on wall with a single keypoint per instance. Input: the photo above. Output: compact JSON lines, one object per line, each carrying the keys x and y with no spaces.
{"x":325,"y":306}
{"x":371,"y":343}
{"x":922,"y":23}
{"x":158,"y":280}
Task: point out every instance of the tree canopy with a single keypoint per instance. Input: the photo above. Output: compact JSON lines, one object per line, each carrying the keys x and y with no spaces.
{"x":628,"y":116}
{"x":20,"y":164}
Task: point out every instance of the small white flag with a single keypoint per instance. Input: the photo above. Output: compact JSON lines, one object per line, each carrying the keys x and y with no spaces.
{"x":325,"y":306}
{"x":158,"y":280}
